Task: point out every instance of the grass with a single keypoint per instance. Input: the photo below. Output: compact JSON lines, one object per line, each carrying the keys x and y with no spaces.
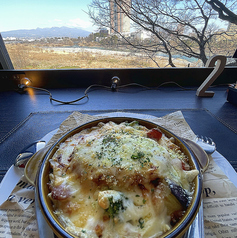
{"x":28,"y":56}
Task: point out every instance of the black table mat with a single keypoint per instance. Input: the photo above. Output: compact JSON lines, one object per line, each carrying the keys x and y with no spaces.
{"x":37,"y":125}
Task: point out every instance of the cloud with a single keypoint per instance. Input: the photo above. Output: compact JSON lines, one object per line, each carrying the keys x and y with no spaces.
{"x":79,"y":23}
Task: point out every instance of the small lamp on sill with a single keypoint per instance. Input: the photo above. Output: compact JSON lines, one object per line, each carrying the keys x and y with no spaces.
{"x":114,"y":83}
{"x":24,"y":82}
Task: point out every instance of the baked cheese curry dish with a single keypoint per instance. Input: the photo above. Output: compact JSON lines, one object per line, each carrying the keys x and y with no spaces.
{"x":120,"y":180}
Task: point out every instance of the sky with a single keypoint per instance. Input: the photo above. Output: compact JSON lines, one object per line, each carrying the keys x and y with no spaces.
{"x":30,"y":14}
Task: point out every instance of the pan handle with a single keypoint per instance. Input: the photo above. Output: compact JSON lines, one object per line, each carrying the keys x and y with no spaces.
{"x":33,"y":165}
{"x":199,"y":153}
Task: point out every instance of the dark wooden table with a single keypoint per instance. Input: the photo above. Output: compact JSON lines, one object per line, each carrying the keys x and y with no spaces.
{"x":29,"y":116}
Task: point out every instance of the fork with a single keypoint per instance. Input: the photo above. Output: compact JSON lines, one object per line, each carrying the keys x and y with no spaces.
{"x":207,"y":144}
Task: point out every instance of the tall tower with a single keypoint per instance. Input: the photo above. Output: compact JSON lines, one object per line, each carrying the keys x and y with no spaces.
{"x":119,"y":21}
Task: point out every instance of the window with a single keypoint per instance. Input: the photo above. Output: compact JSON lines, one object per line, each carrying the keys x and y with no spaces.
{"x":115,"y":33}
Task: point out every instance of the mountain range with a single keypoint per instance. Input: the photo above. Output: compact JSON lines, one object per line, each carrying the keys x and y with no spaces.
{"x":47,"y":32}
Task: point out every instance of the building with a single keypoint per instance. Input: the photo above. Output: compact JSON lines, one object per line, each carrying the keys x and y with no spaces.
{"x":104,"y":31}
{"x":141,"y":35}
{"x":119,"y":21}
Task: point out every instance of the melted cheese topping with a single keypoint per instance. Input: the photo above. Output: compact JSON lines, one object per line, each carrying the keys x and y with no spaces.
{"x":113,"y":181}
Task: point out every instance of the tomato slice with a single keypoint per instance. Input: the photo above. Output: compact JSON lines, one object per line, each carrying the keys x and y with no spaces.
{"x":154,"y":134}
{"x":185,"y":166}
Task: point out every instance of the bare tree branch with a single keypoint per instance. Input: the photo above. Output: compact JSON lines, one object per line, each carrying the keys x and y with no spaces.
{"x":176,"y":27}
{"x":223,"y":12}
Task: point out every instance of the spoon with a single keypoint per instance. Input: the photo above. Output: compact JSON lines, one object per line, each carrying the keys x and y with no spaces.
{"x":27,"y":153}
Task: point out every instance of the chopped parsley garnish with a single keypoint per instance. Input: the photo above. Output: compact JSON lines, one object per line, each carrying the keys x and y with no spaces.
{"x":115,"y":207}
{"x":140,"y":156}
{"x":141,"y":223}
{"x":99,"y":154}
{"x":108,"y":149}
{"x":109,"y":139}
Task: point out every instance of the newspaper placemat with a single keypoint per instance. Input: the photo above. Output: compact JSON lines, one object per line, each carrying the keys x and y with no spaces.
{"x":17,"y":216}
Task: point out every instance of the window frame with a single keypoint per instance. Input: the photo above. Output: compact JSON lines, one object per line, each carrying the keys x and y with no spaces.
{"x":82,"y":78}
{"x":5,"y":61}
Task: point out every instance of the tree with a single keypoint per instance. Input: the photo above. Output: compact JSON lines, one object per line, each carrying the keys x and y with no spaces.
{"x":224,"y":12}
{"x":183,"y":27}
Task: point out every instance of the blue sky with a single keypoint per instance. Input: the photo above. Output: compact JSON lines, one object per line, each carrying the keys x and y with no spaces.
{"x":30,"y":14}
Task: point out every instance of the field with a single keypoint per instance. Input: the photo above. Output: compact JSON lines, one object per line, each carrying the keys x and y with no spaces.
{"x":30,"y":56}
